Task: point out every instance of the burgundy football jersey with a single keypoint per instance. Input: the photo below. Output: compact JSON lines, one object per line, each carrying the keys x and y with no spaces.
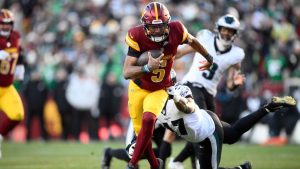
{"x":159,"y":78}
{"x":8,"y":65}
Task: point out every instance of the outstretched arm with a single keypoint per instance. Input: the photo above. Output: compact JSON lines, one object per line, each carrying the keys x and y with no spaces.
{"x":187,"y":49}
{"x":183,"y":104}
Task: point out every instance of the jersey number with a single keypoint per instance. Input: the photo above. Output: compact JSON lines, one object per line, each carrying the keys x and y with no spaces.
{"x":211,"y":72}
{"x":7,"y":66}
{"x":180,"y":124}
{"x":159,"y":73}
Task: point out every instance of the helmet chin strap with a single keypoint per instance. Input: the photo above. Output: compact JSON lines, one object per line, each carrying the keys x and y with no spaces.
{"x":222,"y":44}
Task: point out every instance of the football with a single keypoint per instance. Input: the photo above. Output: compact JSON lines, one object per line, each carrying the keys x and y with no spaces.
{"x":143,"y":59}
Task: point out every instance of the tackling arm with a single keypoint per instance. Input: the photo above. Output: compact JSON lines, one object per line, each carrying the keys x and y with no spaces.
{"x":185,"y":105}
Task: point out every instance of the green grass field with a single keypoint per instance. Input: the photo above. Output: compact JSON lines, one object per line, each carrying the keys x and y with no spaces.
{"x":72,"y":155}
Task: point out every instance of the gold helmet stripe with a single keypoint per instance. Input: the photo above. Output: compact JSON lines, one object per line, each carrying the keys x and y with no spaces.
{"x":156,"y":12}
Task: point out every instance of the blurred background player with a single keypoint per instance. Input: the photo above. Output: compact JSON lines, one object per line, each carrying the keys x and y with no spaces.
{"x":146,"y":91}
{"x":227,"y":59}
{"x":11,"y":67}
{"x":205,"y":130}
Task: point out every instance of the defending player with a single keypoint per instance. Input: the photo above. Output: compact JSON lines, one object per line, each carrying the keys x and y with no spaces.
{"x":11,"y":67}
{"x":204,"y":129}
{"x":227,"y":58}
{"x":146,"y":91}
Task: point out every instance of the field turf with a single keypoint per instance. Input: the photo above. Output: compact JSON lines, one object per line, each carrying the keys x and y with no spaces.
{"x":73,"y":155}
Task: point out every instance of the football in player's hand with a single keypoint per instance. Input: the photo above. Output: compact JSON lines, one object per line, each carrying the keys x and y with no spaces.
{"x":143,"y":59}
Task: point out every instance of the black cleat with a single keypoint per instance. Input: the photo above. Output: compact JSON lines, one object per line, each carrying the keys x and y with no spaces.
{"x":279,"y":103}
{"x":105,"y":164}
{"x":246,"y":165}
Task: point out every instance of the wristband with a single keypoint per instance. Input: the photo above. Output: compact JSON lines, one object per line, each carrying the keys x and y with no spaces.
{"x":145,"y":69}
{"x":209,"y":58}
{"x":176,"y":98}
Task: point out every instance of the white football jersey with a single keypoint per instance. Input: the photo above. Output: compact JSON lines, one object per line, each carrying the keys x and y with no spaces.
{"x":209,"y":79}
{"x":193,"y":127}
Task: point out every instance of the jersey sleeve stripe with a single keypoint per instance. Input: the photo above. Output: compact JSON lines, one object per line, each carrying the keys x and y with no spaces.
{"x":185,"y":35}
{"x":132,"y":43}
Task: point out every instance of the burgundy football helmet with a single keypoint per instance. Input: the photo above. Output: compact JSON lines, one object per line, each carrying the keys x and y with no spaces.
{"x":6,"y":22}
{"x":156,"y":18}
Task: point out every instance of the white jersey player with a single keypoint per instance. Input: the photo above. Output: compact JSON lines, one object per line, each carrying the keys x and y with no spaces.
{"x":226,"y":56}
{"x":209,"y":79}
{"x":194,"y":126}
{"x":204,"y":129}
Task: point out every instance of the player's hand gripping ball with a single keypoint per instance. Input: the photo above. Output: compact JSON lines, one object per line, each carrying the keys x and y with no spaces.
{"x":144,"y":57}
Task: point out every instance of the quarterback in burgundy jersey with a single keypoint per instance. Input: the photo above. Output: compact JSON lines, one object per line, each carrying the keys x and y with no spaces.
{"x":11,"y":106}
{"x":146,"y":90}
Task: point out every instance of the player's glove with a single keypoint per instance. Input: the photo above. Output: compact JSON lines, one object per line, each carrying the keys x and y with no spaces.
{"x":3,"y":54}
{"x":173,"y":93}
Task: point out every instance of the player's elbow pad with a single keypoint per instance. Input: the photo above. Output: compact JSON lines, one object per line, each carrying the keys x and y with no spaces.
{"x":19,"y":72}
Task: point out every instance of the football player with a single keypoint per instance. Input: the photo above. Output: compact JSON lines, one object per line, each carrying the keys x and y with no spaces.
{"x":146,"y":91}
{"x":11,"y":67}
{"x":227,"y":58}
{"x":126,"y":154}
{"x":204,"y":129}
